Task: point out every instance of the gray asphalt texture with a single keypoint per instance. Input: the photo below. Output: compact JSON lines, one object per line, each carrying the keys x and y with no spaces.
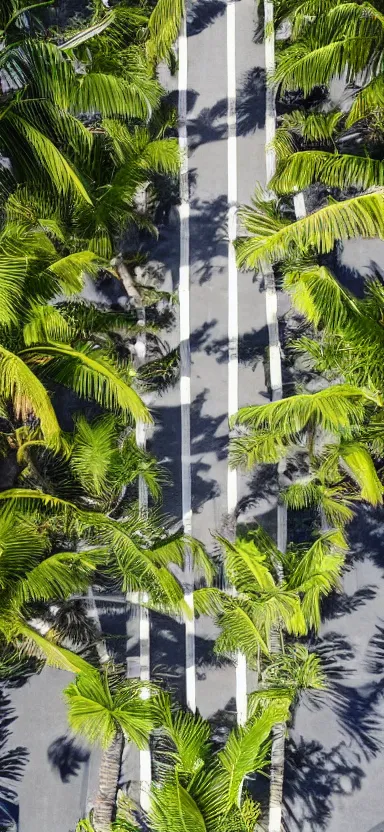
{"x":334,"y":752}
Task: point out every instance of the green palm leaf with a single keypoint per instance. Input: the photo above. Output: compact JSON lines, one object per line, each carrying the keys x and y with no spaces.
{"x":302,"y":67}
{"x":92,"y":453}
{"x":58,"y":576}
{"x":367,"y":101}
{"x":28,"y":395}
{"x":46,"y":323}
{"x":70,"y":270}
{"x":318,"y":296}
{"x":337,"y":171}
{"x":337,"y":408}
{"x":113,"y":96}
{"x":27,"y":498}
{"x":164,"y":24}
{"x":173,"y":807}
{"x":243,"y":750}
{"x":359,"y":465}
{"x":91,"y":375}
{"x":189,"y":734}
{"x":55,"y":656}
{"x":98,"y":714}
{"x":263,"y":446}
{"x":245,"y":565}
{"x":13,"y":271}
{"x":361,"y":216}
{"x":240,"y":632}
{"x":62,"y":174}
{"x":162,"y":156}
{"x":317,"y":573}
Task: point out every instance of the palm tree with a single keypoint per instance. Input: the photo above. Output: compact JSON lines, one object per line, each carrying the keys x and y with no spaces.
{"x":328,"y":439}
{"x":195,"y":784}
{"x":103,"y":72}
{"x":263,"y":605}
{"x":290,"y":674}
{"x":198,"y":787}
{"x":276,"y":594}
{"x":106,"y":710}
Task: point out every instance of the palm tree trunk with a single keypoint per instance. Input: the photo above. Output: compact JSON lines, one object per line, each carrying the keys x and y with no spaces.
{"x":277,"y":777}
{"x":127,"y":280}
{"x":105,"y":803}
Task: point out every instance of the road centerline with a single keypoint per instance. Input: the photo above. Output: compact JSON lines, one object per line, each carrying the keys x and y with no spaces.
{"x":185,"y":361}
{"x":233,"y":315}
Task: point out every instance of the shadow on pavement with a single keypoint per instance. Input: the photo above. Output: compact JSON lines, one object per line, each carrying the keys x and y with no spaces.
{"x":313,"y":776}
{"x":67,"y":757}
{"x":12,"y":760}
{"x":203,"y":13}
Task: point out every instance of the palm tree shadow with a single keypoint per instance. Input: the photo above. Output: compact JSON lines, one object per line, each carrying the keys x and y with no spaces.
{"x":250,"y":102}
{"x":66,"y":756}
{"x":202,"y":14}
{"x":313,"y":777}
{"x":340,"y":603}
{"x":168,"y":654}
{"x":375,"y":652}
{"x":222,"y":723}
{"x":12,"y":760}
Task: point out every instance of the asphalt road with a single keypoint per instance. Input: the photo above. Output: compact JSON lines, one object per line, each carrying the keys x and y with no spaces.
{"x":335,"y":757}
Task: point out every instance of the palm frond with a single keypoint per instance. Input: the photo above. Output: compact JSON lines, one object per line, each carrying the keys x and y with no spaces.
{"x":70,"y":270}
{"x":13,"y":271}
{"x":360,"y":467}
{"x":164,"y":24}
{"x":335,"y":170}
{"x":318,"y":296}
{"x":190,"y":737}
{"x":173,"y":801}
{"x":367,"y":101}
{"x":361,"y":216}
{"x":238,"y":631}
{"x":301,"y":67}
{"x":92,"y":453}
{"x":45,"y":323}
{"x":261,"y":447}
{"x":243,"y":750}
{"x":111,"y":96}
{"x":98,"y":714}
{"x":58,"y":576}
{"x":317,"y":572}
{"x":28,"y":395}
{"x":91,"y":375}
{"x":62,"y":174}
{"x":33,"y":643}
{"x":336,"y":408}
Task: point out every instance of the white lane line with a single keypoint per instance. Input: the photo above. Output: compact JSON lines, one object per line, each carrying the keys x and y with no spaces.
{"x":299,"y":205}
{"x":270,"y":112}
{"x":185,"y":362}
{"x":233,"y":316}
{"x":144,"y":621}
{"x":270,"y":162}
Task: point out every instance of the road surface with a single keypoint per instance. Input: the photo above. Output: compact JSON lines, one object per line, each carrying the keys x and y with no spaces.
{"x":335,"y":759}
